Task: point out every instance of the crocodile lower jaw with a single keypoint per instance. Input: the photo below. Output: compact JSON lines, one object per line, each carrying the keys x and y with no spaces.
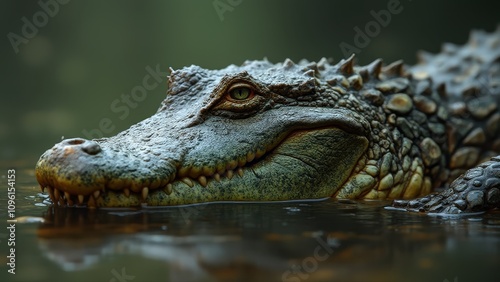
{"x":62,"y":198}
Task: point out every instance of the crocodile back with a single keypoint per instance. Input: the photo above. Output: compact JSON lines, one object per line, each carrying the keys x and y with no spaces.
{"x":466,"y":81}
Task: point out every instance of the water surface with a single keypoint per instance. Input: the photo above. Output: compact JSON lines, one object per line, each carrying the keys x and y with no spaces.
{"x":294,"y":241}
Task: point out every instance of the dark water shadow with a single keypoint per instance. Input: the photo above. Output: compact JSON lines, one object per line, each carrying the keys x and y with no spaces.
{"x":315,"y":241}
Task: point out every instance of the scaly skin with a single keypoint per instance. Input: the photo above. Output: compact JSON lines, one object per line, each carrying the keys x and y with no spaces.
{"x":268,"y":132}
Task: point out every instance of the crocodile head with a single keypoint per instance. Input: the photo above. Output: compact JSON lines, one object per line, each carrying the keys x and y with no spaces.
{"x":256,"y":132}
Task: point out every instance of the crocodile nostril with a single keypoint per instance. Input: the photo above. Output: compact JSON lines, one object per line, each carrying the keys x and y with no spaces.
{"x":74,"y":141}
{"x":91,"y":147}
{"x":88,"y":146}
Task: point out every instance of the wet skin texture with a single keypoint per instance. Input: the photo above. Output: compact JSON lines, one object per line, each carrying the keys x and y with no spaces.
{"x":307,"y":130}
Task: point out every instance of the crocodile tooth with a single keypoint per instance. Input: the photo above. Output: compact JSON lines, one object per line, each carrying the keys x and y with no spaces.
{"x":97,"y":193}
{"x":184,"y":171}
{"x":126,"y":191}
{"x":61,"y":198}
{"x":232,"y":164}
{"x":80,"y":199}
{"x":169,"y":188}
{"x":206,"y":170}
{"x":145,"y":192}
{"x":67,"y":196}
{"x":250,"y":156}
{"x":260,"y":153}
{"x":91,"y":202}
{"x":203,"y":181}
{"x":221,"y":170}
{"x":194,"y":172}
{"x":188,"y":181}
{"x":217,"y":177}
{"x":57,"y":194}
{"x":229,"y":174}
{"x":240,"y":172}
{"x":242,"y":161}
{"x":51,"y":193}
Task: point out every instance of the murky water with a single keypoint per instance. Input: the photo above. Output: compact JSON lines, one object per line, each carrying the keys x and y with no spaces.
{"x":294,"y":241}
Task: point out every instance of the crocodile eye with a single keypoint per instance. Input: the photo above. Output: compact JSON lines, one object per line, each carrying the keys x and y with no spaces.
{"x":239,"y":93}
{"x":241,"y":99}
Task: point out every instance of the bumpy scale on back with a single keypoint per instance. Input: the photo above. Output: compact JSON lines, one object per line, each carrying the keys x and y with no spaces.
{"x":267,"y":132}
{"x":468,"y":79}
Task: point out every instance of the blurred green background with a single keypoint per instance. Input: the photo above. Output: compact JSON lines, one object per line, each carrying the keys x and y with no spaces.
{"x":64,"y":79}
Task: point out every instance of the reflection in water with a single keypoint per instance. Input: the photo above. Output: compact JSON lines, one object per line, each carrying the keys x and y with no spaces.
{"x":314,"y":241}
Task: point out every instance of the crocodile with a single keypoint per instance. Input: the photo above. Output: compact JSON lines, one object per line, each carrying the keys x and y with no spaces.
{"x":426,"y":136}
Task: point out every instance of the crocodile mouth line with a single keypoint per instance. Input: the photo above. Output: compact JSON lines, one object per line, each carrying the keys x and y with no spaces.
{"x":191,"y":176}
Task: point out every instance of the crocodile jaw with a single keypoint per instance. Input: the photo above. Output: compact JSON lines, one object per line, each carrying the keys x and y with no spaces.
{"x":308,"y":161}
